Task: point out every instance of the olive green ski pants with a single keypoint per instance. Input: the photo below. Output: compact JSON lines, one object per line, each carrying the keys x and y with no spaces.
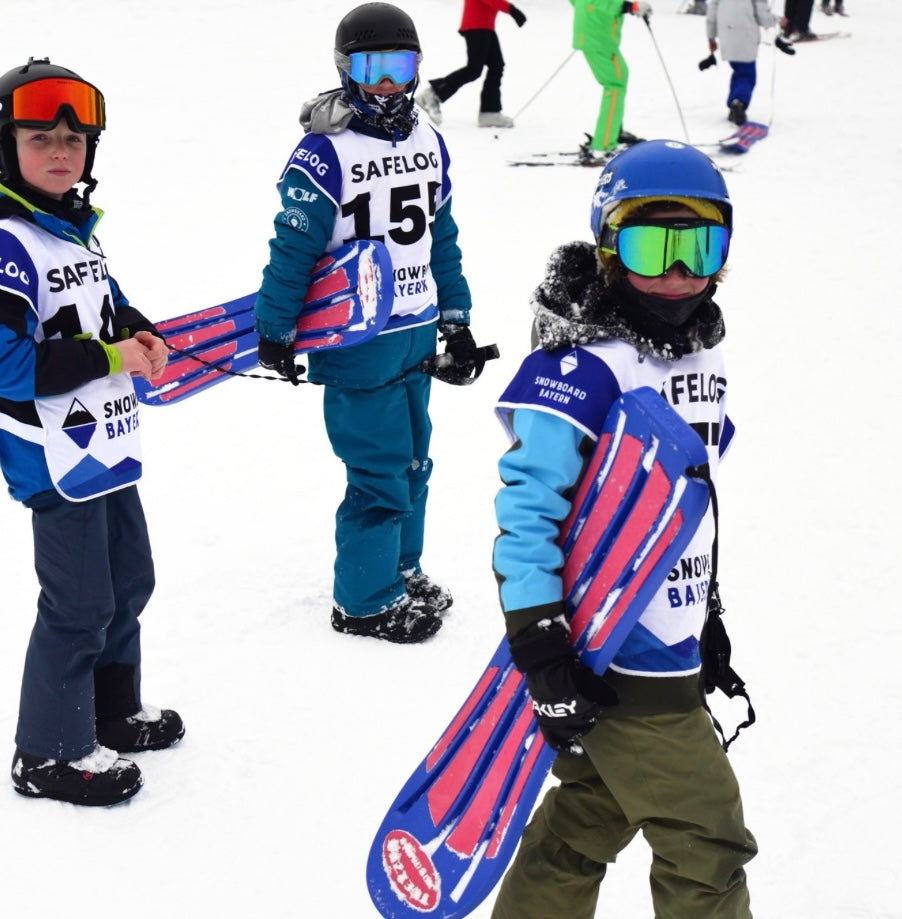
{"x":665,"y":775}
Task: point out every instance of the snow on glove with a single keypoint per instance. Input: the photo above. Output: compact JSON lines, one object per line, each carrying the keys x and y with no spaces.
{"x":517,"y":15}
{"x":567,"y":697}
{"x":459,"y":344}
{"x":280,"y":358}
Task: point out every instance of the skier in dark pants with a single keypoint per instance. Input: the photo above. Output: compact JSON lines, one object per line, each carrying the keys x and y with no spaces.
{"x":69,"y":449}
{"x":483,"y":53}
{"x":638,"y":752}
{"x":797,"y":14}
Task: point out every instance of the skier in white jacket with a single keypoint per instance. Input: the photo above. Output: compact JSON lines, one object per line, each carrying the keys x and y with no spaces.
{"x":737,"y":25}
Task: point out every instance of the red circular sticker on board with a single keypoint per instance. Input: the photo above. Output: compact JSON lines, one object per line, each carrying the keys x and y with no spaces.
{"x":410,"y":871}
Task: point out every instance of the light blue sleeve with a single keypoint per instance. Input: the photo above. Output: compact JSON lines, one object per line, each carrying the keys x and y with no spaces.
{"x":539,"y":473}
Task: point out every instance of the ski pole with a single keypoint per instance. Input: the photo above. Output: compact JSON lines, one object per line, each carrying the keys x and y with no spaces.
{"x":666,"y":74}
{"x":560,"y":67}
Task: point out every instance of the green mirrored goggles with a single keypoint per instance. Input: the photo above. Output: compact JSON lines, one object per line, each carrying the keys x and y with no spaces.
{"x":652,"y":247}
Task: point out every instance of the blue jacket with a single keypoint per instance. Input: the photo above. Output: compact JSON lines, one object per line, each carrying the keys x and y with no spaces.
{"x":62,"y":358}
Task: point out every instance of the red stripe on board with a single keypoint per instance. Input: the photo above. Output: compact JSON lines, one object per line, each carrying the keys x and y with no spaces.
{"x":199,"y":336}
{"x":606,"y":505}
{"x":442,"y":795}
{"x":636,"y":528}
{"x":585,"y":485}
{"x":186,"y":388}
{"x":333,"y":283}
{"x":182,"y":367}
{"x":335,"y":316}
{"x":468,"y":832}
{"x":510,"y":806}
{"x":453,"y":729}
{"x":639,"y":578}
{"x":311,"y":344}
{"x":212,"y":313}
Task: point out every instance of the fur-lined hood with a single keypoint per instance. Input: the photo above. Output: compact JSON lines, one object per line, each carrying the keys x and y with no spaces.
{"x":574,"y":305}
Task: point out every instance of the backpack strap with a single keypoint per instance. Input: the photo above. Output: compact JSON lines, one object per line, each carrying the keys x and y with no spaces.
{"x":714,"y":644}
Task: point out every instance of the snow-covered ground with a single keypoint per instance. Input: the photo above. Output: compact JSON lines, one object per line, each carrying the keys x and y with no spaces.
{"x":299,"y":738}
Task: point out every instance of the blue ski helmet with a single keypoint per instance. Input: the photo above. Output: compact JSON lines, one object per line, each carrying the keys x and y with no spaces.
{"x":658,"y":169}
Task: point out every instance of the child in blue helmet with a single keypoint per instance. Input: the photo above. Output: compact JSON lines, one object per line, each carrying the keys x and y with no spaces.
{"x":367,"y":168}
{"x":637,"y":748}
{"x":737,"y":25}
{"x":69,"y":345}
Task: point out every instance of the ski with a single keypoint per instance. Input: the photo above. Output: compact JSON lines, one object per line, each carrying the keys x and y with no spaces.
{"x":820,"y":36}
{"x":348,"y":302}
{"x":561,"y":159}
{"x":455,"y":824}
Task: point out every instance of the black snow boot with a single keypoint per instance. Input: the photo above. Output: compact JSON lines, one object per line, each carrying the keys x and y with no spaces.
{"x":737,"y":112}
{"x":99,"y":779}
{"x":421,"y":587}
{"x":150,"y":729}
{"x":408,"y":621}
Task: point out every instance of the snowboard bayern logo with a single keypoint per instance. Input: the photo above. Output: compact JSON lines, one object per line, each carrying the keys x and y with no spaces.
{"x":410,"y":871}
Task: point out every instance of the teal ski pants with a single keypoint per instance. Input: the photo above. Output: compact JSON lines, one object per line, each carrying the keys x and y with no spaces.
{"x":664,"y":775}
{"x":381,"y":433}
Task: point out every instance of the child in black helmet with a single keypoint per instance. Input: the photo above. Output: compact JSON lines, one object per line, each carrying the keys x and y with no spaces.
{"x":637,"y":750}
{"x":368,"y":169}
{"x":69,"y":449}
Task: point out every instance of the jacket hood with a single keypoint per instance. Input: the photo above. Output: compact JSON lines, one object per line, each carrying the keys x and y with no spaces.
{"x":575,"y":305}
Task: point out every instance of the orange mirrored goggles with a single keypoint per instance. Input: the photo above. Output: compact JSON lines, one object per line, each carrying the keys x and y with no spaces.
{"x":41,"y":104}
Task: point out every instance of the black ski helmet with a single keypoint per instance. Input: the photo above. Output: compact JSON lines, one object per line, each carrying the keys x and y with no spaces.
{"x":32,"y":72}
{"x":376,"y":27}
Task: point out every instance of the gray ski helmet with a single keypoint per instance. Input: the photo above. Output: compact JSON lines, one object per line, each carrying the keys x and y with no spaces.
{"x":376,"y":27}
{"x":32,"y":72}
{"x":658,"y":169}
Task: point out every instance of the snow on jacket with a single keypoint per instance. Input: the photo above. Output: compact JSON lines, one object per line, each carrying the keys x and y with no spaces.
{"x":67,"y":427}
{"x":363,"y":184}
{"x":481,"y":14}
{"x":553,"y":411}
{"x":737,"y":24}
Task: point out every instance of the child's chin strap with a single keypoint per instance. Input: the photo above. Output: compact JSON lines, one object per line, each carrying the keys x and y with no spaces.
{"x":714,"y":644}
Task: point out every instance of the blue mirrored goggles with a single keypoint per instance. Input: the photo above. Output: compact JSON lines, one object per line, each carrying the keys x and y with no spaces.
{"x":653,"y":247}
{"x":369,"y":67}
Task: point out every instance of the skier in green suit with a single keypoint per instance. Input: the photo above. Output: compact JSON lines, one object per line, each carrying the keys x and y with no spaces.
{"x":596,"y":32}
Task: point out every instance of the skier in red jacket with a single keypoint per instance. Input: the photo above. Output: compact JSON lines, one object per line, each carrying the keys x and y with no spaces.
{"x":477,"y":26}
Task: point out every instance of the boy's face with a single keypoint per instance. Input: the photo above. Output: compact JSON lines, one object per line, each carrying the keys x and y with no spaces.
{"x":51,"y":161}
{"x":674,"y":284}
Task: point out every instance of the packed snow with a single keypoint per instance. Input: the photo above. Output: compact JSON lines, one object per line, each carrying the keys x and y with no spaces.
{"x":298,"y":738}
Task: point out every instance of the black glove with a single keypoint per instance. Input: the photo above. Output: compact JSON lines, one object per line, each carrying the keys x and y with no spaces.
{"x":567,"y":697}
{"x":785,"y":46}
{"x":459,"y":344}
{"x":709,"y":61}
{"x":280,"y":358}
{"x":517,"y":15}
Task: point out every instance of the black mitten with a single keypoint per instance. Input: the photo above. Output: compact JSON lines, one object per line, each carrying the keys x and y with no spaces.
{"x":709,"y":61}
{"x":517,"y":15}
{"x":567,"y":697}
{"x":280,"y":358}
